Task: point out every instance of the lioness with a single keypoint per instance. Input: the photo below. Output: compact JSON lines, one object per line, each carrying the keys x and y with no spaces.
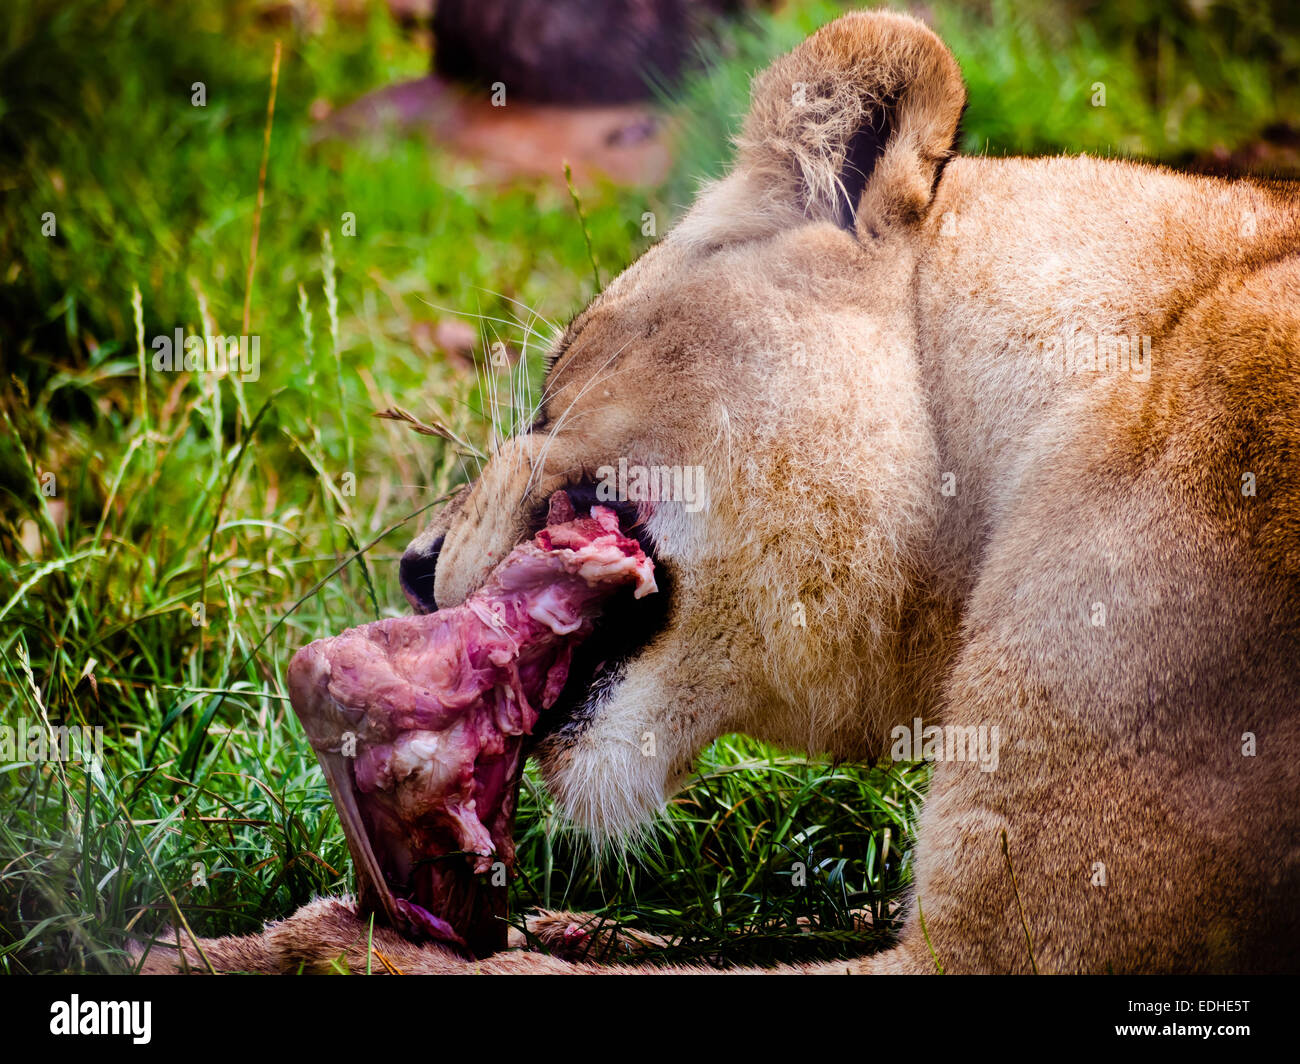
{"x":991,"y":443}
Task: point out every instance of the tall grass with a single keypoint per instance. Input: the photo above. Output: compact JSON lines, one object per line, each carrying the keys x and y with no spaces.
{"x":198,"y":528}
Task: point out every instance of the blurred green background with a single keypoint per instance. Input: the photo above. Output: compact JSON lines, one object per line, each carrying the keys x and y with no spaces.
{"x":171,"y":491}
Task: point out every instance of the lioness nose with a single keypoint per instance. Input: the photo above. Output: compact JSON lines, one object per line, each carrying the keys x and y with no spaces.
{"x":416,"y":573}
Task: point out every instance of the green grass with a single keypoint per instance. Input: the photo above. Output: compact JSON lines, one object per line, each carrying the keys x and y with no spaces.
{"x":1179,"y":78}
{"x":171,"y":491}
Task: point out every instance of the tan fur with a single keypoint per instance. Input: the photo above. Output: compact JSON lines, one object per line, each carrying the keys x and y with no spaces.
{"x":827,"y":380}
{"x":326,"y":937}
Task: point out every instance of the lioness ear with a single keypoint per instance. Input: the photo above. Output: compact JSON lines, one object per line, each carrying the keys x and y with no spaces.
{"x":853,"y":127}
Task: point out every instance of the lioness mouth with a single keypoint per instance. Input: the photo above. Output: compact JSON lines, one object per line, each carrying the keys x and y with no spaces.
{"x":628,"y":624}
{"x":419,"y":722}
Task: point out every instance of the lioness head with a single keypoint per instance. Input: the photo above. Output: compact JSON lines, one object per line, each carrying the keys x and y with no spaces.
{"x":746,"y":395}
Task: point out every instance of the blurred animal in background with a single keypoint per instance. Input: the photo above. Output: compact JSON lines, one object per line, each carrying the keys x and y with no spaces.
{"x":524,"y":86}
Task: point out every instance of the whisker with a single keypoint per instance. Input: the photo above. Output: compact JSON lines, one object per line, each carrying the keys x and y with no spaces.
{"x":479,"y":316}
{"x":540,"y":459}
{"x":531,"y":310}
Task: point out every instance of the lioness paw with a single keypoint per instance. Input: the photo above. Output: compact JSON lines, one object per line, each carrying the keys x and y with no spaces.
{"x":585,"y":936}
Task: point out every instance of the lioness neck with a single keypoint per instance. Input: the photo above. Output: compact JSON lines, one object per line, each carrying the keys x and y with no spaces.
{"x":1027,"y":266}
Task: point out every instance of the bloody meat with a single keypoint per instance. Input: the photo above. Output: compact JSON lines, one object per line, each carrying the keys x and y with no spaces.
{"x":419,"y":723}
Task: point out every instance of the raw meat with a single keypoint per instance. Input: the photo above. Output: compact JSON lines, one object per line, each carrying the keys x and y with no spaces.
{"x":419,"y":724}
